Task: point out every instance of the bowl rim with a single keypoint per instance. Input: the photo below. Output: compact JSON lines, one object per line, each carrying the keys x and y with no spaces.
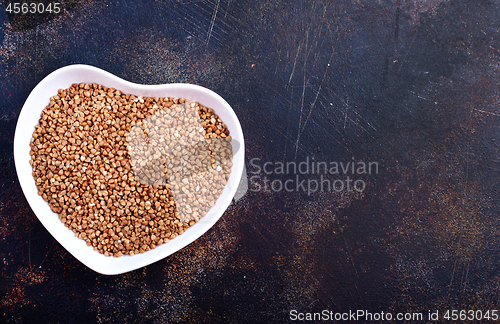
{"x":29,"y":116}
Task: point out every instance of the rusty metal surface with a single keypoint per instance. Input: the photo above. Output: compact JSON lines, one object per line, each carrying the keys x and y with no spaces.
{"x":412,"y":85}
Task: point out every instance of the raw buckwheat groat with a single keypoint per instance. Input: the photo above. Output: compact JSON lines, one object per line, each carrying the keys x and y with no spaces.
{"x":128,"y":173}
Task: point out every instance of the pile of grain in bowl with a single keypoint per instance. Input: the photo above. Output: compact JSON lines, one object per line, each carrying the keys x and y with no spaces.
{"x":128,"y":173}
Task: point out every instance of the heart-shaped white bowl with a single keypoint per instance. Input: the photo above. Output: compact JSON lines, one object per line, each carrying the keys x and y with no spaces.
{"x":30,"y":114}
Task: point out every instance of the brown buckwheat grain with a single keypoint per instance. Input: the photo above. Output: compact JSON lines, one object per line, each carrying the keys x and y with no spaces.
{"x":128,"y":173}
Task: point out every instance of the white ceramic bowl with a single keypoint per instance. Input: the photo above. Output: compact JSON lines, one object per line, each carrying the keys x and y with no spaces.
{"x":28,"y":119}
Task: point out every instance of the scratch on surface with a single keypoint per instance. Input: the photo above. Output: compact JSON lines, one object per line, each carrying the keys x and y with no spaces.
{"x":466,"y":276}
{"x":408,"y":51}
{"x":295,"y":63}
{"x":214,"y":16}
{"x":486,"y":112}
{"x":365,"y":122}
{"x":303,"y":92}
{"x":452,"y":277}
{"x":227,"y":8}
{"x":346,"y":110}
{"x":300,"y":119}
{"x":312,"y":105}
{"x":346,"y":103}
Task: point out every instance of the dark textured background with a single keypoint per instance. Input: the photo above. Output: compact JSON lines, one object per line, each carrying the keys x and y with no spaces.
{"x":413,"y":85}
